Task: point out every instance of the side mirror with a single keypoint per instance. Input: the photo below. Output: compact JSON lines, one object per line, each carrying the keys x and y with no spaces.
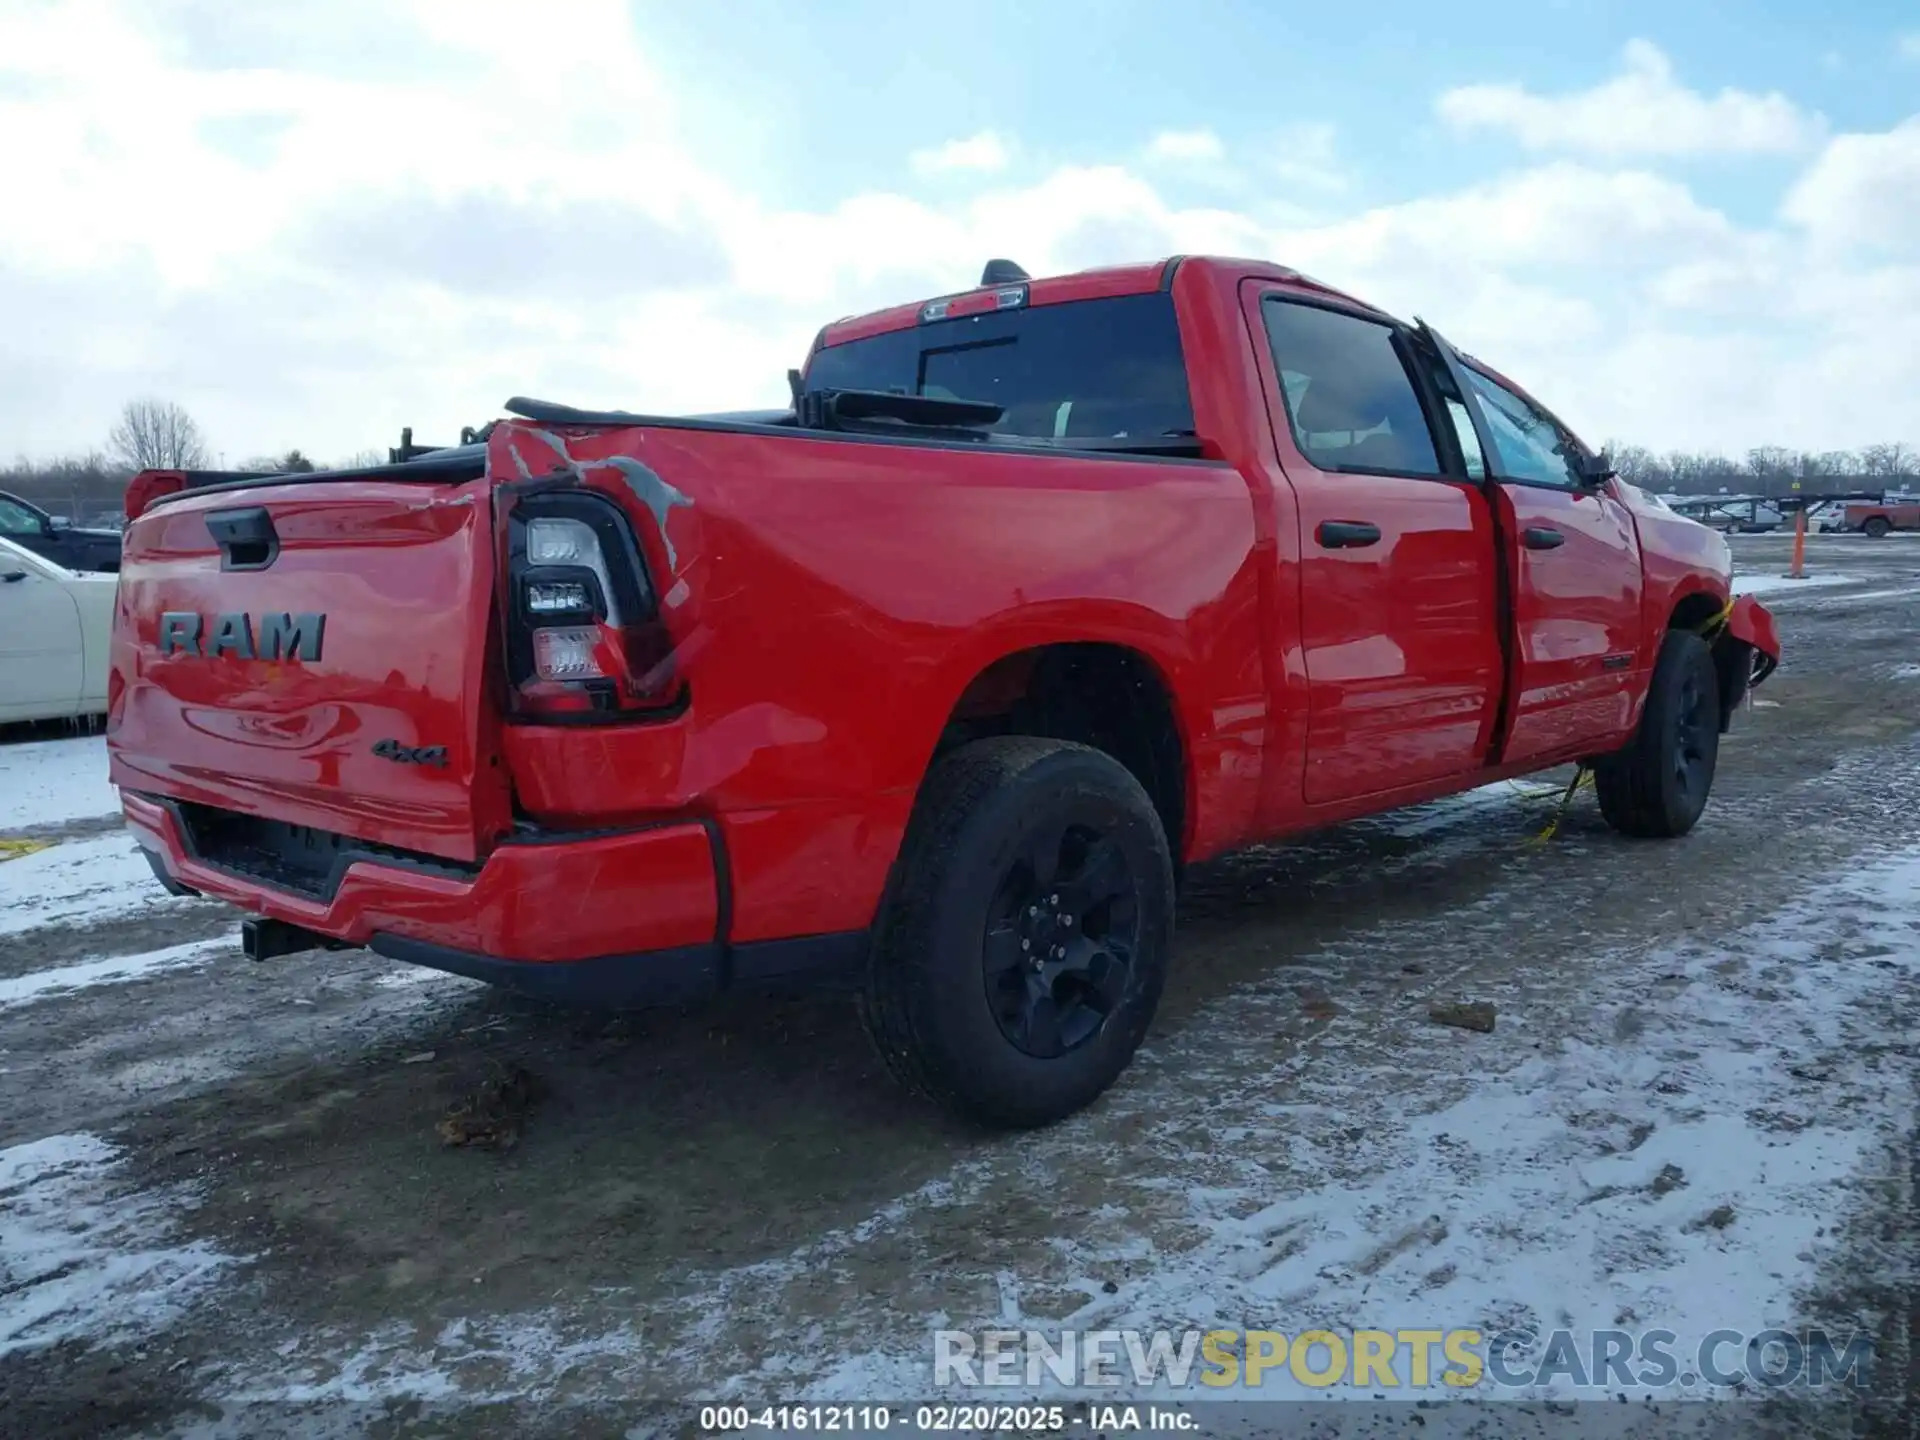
{"x":55,"y":525}
{"x":1597,"y":469}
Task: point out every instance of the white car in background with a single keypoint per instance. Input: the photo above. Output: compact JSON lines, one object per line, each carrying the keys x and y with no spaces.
{"x":54,"y":627}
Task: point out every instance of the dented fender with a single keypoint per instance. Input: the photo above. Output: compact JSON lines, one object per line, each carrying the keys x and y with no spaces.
{"x":1746,"y":650}
{"x":1753,"y":623}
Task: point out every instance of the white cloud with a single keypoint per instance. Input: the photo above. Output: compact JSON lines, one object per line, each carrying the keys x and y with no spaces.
{"x":1908,"y":45}
{"x":310,"y":247}
{"x":985,"y":154}
{"x":1308,"y":153}
{"x":1863,"y":192}
{"x":1177,"y":146}
{"x":1642,"y":111}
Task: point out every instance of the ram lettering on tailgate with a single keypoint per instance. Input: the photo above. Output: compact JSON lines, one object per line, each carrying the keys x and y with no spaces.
{"x":277,"y":636}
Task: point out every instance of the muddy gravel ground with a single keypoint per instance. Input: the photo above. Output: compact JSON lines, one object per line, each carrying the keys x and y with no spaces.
{"x":227,"y":1206}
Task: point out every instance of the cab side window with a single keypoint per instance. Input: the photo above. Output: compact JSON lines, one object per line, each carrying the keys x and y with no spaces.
{"x":16,"y":519}
{"x":1349,"y":399}
{"x":1531,"y":447}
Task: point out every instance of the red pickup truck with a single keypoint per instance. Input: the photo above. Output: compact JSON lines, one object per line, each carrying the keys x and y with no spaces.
{"x":929,"y":685}
{"x":1880,"y":518}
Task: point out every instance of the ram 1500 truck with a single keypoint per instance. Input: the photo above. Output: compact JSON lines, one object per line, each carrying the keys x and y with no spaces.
{"x":929,"y":685}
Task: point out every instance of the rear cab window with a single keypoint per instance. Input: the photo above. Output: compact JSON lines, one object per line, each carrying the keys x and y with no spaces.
{"x":1103,"y":369}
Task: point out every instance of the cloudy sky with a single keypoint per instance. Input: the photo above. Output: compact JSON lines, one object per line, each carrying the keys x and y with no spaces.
{"x":315,"y":223}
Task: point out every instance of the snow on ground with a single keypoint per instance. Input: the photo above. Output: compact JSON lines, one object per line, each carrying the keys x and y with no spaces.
{"x":409,"y":977}
{"x":52,"y":782}
{"x":77,"y":883}
{"x":113,"y":970}
{"x":1855,"y":597}
{"x":1441,"y":814}
{"x":1766,"y":584}
{"x":1651,"y":1158}
{"x":84,"y":1254}
{"x":1581,"y":1189}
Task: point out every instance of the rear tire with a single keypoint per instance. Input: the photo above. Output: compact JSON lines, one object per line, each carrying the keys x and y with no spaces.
{"x":1020,"y":957}
{"x":1657,"y":786}
{"x":1877,"y":527}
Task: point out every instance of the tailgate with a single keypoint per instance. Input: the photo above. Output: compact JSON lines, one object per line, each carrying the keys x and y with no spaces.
{"x":315,"y":654}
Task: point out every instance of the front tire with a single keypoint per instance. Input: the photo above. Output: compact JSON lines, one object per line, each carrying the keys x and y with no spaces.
{"x":1877,"y":527}
{"x":1657,"y":786}
{"x":1021,"y":955}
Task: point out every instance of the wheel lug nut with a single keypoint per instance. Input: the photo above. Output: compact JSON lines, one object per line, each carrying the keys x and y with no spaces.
{"x":1033,"y":909}
{"x":1066,"y":920}
{"x":1026,"y":944}
{"x":1053,"y":899}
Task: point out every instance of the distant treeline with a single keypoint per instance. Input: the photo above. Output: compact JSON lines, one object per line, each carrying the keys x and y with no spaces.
{"x":1769,"y":470}
{"x":83,"y":489}
{"x":89,"y":489}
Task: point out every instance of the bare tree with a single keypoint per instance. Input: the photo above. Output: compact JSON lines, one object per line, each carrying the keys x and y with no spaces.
{"x":1807,"y":467}
{"x":1636,"y":464}
{"x":1892,"y":461}
{"x":157,"y":435}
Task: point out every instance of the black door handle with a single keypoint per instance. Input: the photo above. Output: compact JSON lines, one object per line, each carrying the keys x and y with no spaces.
{"x":1541,"y":538}
{"x":1346,"y":534}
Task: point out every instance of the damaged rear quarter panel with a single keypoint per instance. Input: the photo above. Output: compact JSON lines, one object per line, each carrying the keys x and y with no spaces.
{"x":830,"y":600}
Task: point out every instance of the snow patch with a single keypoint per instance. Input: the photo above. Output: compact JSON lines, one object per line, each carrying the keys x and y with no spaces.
{"x":1456,"y":809}
{"x":113,"y":970}
{"x":408,"y":977}
{"x":1768,"y":584}
{"x":79,"y":883}
{"x":84,"y":1255}
{"x":54,"y":781}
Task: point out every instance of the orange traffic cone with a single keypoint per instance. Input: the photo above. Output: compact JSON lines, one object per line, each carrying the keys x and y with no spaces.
{"x":1798,"y":570}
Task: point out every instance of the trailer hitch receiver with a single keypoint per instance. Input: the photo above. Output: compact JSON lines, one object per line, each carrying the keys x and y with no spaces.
{"x":263,"y":939}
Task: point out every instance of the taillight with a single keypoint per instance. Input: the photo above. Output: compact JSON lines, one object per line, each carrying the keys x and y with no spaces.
{"x":584,"y":637}
{"x":147,"y":487}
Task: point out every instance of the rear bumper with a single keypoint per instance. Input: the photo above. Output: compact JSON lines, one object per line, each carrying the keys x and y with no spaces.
{"x":634,"y":918}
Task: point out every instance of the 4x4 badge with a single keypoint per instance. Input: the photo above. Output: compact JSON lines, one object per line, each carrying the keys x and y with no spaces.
{"x":410,"y":754}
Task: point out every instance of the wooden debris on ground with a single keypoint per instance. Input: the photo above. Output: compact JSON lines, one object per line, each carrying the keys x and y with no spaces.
{"x":492,"y":1116}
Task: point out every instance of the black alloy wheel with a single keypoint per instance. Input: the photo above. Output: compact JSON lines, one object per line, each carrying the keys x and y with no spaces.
{"x":1060,"y":940}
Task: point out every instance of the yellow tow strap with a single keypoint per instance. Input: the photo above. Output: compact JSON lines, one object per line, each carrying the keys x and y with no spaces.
{"x":1582,"y":778}
{"x":1710,"y":628}
{"x":14,"y":849}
